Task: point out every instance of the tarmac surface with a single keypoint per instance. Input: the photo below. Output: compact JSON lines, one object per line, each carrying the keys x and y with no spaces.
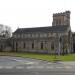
{"x":26,"y":66}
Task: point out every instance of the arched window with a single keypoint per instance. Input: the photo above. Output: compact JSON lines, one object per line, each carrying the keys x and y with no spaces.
{"x":32,"y":45}
{"x":16,"y":46}
{"x":69,"y":33}
{"x":41,"y":45}
{"x":52,"y":46}
{"x":24,"y":45}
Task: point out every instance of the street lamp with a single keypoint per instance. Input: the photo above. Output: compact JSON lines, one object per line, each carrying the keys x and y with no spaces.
{"x":59,"y":47}
{"x":59,"y":37}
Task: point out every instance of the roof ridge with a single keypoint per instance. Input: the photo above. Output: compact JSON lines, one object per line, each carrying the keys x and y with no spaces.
{"x":35,"y":27}
{"x":43,"y":29}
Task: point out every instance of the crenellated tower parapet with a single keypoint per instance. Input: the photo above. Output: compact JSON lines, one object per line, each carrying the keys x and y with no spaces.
{"x":62,"y":18}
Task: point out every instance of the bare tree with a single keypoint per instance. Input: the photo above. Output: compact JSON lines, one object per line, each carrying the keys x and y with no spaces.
{"x":5,"y":31}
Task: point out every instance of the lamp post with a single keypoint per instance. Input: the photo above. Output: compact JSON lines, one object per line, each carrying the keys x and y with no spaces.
{"x":59,"y":36}
{"x":59,"y":43}
{"x":59,"y":46}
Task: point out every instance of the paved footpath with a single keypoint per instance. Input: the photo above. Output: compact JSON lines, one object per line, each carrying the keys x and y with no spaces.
{"x":27,"y":66}
{"x":32,"y":64}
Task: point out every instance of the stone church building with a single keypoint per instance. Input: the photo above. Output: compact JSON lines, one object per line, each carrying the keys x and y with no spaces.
{"x":55,"y":39}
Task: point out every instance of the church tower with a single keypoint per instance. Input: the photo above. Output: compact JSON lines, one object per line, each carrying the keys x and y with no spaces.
{"x":61,"y":18}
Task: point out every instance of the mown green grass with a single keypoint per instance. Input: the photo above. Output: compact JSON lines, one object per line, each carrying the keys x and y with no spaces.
{"x":47,"y":57}
{"x":70,"y":57}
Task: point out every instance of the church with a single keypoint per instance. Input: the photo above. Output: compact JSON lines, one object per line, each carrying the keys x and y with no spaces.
{"x":55,"y":39}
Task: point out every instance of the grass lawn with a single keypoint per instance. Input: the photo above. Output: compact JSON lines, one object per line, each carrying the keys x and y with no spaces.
{"x":47,"y":57}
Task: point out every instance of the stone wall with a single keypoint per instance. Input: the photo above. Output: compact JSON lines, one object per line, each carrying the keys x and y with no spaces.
{"x":65,"y":46}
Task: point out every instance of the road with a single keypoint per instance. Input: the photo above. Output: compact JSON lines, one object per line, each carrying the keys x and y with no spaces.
{"x":26,"y":66}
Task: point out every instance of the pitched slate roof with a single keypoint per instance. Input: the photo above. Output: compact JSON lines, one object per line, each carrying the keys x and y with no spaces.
{"x":59,"y":28}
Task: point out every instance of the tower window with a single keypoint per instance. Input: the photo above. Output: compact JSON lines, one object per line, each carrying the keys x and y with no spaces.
{"x":59,"y":21}
{"x":56,"y":22}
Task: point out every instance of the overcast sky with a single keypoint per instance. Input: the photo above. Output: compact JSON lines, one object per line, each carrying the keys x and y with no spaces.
{"x":33,"y":13}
